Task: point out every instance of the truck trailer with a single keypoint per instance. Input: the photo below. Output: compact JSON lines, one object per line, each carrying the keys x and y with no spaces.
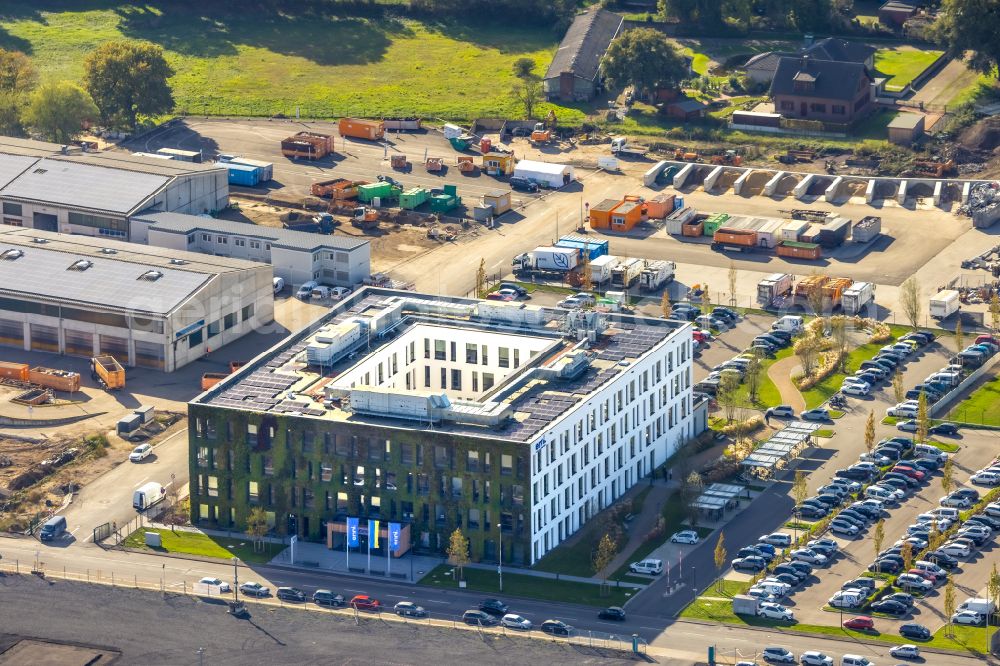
{"x":626,"y":272}
{"x":858,"y":297}
{"x":547,"y":260}
{"x":773,"y":287}
{"x":601,"y":267}
{"x":944,"y":304}
{"x":656,"y":274}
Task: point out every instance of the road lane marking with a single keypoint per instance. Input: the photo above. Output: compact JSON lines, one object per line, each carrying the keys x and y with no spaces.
{"x":141,"y":482}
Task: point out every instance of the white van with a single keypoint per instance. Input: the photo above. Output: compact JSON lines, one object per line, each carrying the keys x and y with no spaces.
{"x":789,"y":323}
{"x":279,"y":285}
{"x":928,"y":451}
{"x":651,"y":567}
{"x":981,"y":606}
{"x":947,"y":511}
{"x":777,"y":588}
{"x":320,"y":293}
{"x":855,"y":660}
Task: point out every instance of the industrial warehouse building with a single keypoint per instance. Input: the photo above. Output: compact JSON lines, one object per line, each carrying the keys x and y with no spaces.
{"x":50,"y":187}
{"x":514,"y":423}
{"x":296,"y":256}
{"x":84,"y":296}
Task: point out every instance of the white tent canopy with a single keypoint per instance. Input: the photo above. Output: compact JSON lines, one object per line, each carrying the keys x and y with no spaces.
{"x":547,"y":173}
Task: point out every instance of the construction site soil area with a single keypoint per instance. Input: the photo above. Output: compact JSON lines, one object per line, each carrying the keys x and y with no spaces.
{"x":398,"y":237}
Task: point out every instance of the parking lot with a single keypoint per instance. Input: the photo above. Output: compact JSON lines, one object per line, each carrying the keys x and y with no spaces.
{"x":976,"y":449}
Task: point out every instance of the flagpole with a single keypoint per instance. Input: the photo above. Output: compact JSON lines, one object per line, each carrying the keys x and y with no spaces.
{"x":369,"y":547}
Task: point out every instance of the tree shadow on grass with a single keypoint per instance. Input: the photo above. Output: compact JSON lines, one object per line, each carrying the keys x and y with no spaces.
{"x":322,"y":40}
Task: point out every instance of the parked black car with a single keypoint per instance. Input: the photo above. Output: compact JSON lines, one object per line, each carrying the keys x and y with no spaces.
{"x":943,"y":429}
{"x":943,"y":560}
{"x":917,"y":631}
{"x":519,"y":183}
{"x":290,"y":594}
{"x":886,"y":566}
{"x":327,"y":598}
{"x":556,"y":628}
{"x":890,"y":607}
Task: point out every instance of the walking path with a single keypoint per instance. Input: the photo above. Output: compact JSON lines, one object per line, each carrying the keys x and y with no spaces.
{"x":781,"y":374}
{"x":652,"y":509}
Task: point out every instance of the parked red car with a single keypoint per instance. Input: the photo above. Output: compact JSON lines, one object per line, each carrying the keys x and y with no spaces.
{"x":926,"y":575}
{"x":987,"y":338}
{"x":906,"y":470}
{"x":861,"y":623}
{"x":364,"y":602}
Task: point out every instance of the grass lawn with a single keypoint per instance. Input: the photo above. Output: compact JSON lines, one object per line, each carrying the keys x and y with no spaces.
{"x":971,"y":639}
{"x":196,"y":543}
{"x":982,"y":406}
{"x":532,"y":587}
{"x":903,"y":64}
{"x":818,"y":394}
{"x":824,"y":432}
{"x":767,"y":392}
{"x":260,"y":62}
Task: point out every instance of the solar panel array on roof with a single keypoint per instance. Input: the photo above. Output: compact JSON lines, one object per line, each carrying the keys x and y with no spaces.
{"x":632,"y":343}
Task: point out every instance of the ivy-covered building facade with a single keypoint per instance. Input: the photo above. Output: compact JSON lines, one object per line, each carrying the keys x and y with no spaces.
{"x":515,"y":424}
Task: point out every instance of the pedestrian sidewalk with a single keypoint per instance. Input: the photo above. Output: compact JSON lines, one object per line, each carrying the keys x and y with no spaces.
{"x":643,"y":523}
{"x":547,"y":574}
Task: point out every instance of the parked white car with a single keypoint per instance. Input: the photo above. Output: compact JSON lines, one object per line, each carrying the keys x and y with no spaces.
{"x":815,"y":658}
{"x":515,"y":622}
{"x":774,"y":611}
{"x":985,"y":478}
{"x":992,"y":509}
{"x":808,"y":556}
{"x":778,"y":539}
{"x":684,"y":536}
{"x":967,"y":617}
{"x":860,"y":390}
{"x":214,"y":585}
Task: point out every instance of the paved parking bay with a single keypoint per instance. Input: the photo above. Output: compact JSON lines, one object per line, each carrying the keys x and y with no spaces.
{"x":977,"y":448}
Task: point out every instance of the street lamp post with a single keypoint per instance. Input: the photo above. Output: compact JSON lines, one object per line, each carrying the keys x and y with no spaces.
{"x":500,"y":558}
{"x":236,"y":578}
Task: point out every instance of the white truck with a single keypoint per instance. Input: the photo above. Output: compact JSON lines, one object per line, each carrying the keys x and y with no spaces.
{"x":601,"y":267}
{"x":773,"y":287}
{"x":621,"y":148}
{"x":626,"y":272}
{"x":656,"y":274}
{"x":944,"y":304}
{"x":148,"y":495}
{"x":547,"y":260}
{"x":857,"y":297}
{"x":981,"y":606}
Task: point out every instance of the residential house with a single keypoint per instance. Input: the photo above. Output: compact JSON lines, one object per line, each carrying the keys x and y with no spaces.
{"x":574,"y":74}
{"x":826,"y":90}
{"x":761,"y":67}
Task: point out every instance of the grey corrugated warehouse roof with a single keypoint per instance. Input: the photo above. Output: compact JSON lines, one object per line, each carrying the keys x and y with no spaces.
{"x":12,"y":166}
{"x":66,"y":183}
{"x":43,"y":271}
{"x":585,"y":43}
{"x":180,"y":223}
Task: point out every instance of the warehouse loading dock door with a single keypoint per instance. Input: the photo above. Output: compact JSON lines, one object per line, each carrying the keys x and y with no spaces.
{"x":117,"y":347}
{"x":45,"y":222}
{"x":11,"y":333}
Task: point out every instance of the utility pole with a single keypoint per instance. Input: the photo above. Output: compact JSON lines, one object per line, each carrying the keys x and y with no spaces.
{"x":500,"y":558}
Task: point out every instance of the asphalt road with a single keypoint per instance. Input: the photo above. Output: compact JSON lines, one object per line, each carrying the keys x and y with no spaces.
{"x":283,"y":635}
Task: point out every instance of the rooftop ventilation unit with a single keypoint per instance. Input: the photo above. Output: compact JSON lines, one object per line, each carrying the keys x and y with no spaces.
{"x":80,"y":265}
{"x":40,"y":241}
{"x":12,"y":254}
{"x":151,"y":276}
{"x":108,"y":250}
{"x":177,"y":262}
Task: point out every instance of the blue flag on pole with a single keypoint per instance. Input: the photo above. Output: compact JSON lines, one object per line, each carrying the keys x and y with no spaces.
{"x":394,"y":530}
{"x":352,"y":533}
